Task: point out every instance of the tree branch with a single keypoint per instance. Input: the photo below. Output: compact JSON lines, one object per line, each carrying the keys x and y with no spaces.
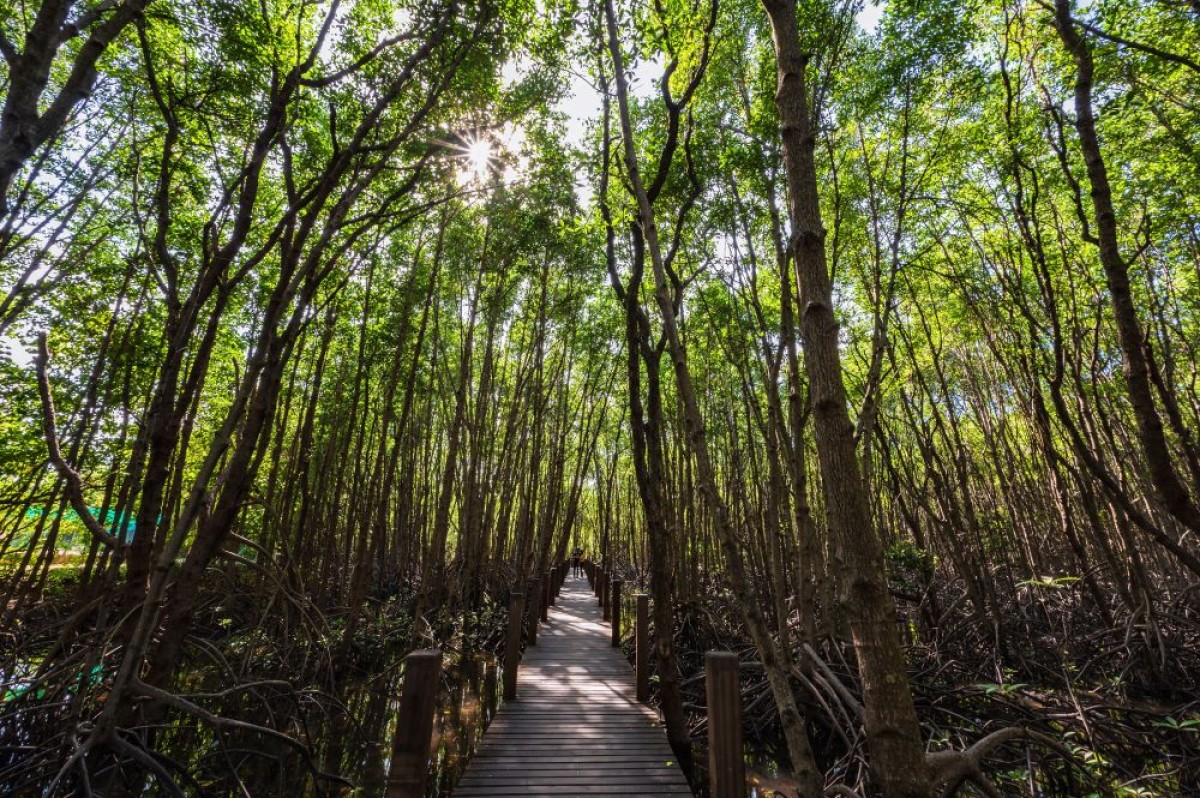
{"x":74,"y":483}
{"x":1148,"y":49}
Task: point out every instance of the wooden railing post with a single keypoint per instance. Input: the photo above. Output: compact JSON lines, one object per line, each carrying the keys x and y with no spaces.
{"x":409,"y":769}
{"x":534,"y":607}
{"x":512,"y":643}
{"x":616,"y":612}
{"x":605,"y":598}
{"x":546,"y":581}
{"x":489,"y":682}
{"x":726,"y":770}
{"x":641,"y":652}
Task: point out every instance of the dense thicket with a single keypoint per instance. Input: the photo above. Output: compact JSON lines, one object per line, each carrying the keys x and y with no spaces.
{"x":871,"y":352}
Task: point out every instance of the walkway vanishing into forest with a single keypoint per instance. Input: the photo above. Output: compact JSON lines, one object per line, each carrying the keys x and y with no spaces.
{"x":575,"y":728}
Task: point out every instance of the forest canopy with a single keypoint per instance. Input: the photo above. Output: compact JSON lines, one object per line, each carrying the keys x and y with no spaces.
{"x":864,"y":338}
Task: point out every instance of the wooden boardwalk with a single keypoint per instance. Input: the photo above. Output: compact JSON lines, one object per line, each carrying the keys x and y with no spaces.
{"x":575,"y":728}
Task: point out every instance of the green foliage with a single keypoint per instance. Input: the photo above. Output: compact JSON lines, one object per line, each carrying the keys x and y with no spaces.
{"x":910,"y":557}
{"x":1007,"y":689}
{"x":980,"y":358}
{"x":1051,"y":582}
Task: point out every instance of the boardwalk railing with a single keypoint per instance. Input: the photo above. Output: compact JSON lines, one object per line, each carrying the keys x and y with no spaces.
{"x":576,"y":729}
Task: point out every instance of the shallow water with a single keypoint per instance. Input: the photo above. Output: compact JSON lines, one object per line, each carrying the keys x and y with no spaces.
{"x":349,"y":734}
{"x":466,"y":707}
{"x":467,"y":702}
{"x":765,"y":766}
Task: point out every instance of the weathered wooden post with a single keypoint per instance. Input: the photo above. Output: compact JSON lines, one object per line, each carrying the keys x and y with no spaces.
{"x":512,"y":643}
{"x":547,"y":579}
{"x":489,"y":687}
{"x":605,"y":598}
{"x":414,"y":725}
{"x":617,"y":584}
{"x":534,"y":607}
{"x":641,"y":652}
{"x":726,"y":770}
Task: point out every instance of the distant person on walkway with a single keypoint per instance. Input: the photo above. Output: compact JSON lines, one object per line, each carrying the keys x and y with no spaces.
{"x":577,"y":562}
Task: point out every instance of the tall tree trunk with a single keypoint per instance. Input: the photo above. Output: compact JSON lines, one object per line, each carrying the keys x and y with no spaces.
{"x":649,"y":464}
{"x":1134,"y":343}
{"x":799,"y":751}
{"x":893,"y":734}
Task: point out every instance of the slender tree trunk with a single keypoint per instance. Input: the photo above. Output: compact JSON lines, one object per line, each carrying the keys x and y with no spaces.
{"x":1134,"y":343}
{"x":893,"y":734}
{"x":799,"y":750}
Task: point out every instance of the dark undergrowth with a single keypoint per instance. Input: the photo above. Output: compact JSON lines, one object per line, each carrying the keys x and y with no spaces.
{"x":1065,"y":705}
{"x":288,"y":704}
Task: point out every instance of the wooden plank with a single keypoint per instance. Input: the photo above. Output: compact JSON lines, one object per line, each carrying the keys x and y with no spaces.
{"x":558,"y":765}
{"x":576,"y":727}
{"x":598,"y":789}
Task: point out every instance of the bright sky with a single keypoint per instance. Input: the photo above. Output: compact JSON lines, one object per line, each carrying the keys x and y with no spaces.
{"x":582,"y":103}
{"x":869,"y":17}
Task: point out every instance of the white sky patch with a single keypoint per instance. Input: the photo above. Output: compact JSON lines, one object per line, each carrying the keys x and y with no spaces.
{"x":870,"y":15}
{"x":17,"y":351}
{"x":582,"y":105}
{"x":645,"y":77}
{"x":401,"y":22}
{"x":513,"y":70}
{"x":334,"y":36}
{"x":582,"y":102}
